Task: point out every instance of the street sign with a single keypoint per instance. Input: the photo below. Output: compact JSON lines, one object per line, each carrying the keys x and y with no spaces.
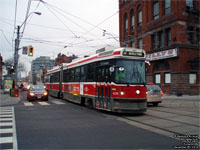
{"x":25,"y":50}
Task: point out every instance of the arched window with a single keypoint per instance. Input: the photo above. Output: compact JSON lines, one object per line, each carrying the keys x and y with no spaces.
{"x":139,"y":10}
{"x":125,"y":23}
{"x":132,"y":20}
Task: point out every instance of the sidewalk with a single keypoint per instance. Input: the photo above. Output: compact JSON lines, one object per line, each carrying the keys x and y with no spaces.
{"x":6,"y":99}
{"x":183,"y":97}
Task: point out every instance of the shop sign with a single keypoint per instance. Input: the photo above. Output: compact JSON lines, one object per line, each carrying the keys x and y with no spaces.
{"x":162,"y":55}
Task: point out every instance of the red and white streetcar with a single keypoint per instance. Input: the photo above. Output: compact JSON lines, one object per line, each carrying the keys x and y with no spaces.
{"x":111,"y":80}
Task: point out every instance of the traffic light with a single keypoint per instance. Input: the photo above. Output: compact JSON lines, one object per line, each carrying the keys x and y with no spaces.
{"x":30,"y":51}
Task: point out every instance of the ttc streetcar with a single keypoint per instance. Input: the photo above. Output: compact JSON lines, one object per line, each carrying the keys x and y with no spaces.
{"x":111,"y":80}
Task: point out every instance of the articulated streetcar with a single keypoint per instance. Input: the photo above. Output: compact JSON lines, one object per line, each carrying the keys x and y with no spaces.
{"x":111,"y":80}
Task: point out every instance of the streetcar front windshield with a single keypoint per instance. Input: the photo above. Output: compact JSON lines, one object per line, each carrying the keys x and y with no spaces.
{"x":130,"y":72}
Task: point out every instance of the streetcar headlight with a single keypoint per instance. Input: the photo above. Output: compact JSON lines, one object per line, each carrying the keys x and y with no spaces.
{"x":122,"y":93}
{"x":137,"y":91}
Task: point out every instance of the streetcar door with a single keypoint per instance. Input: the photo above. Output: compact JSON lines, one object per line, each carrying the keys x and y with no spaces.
{"x":103,"y":87}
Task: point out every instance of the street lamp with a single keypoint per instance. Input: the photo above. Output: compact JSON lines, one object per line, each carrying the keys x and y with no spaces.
{"x":17,"y":42}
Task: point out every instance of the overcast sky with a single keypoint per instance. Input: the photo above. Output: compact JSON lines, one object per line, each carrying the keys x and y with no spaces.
{"x":66,"y":26}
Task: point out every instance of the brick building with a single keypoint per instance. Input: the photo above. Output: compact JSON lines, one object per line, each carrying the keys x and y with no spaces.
{"x":62,"y":58}
{"x":168,"y":30}
{"x":1,"y":70}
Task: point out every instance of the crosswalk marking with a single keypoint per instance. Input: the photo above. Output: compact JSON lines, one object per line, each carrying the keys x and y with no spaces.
{"x":28,"y":104}
{"x":4,"y":140}
{"x":3,"y":124}
{"x":5,"y":116}
{"x":6,"y":131}
{"x":7,"y":121}
{"x":58,"y":102}
{"x":43,"y":103}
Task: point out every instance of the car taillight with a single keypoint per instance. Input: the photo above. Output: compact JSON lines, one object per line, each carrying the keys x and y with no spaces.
{"x":31,"y":94}
{"x":162,"y":94}
{"x":45,"y":93}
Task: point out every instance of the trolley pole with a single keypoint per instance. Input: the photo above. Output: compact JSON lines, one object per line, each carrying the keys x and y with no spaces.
{"x":16,"y":55}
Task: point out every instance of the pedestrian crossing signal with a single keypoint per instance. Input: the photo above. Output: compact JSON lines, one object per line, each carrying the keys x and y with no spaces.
{"x":30,"y":51}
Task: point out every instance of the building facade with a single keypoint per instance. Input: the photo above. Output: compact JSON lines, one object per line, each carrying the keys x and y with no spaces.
{"x":168,"y":30}
{"x":62,"y":58}
{"x":1,"y":71}
{"x":43,"y":62}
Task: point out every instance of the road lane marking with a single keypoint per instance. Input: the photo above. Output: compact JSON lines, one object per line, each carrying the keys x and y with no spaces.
{"x":58,"y":102}
{"x":28,"y":104}
{"x":4,"y":140}
{"x":43,"y":103}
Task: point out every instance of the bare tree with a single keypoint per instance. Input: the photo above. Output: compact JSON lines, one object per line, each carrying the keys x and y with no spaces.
{"x":10,"y":62}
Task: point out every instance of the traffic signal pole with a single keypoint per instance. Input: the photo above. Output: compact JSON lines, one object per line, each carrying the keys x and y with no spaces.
{"x":16,"y":55}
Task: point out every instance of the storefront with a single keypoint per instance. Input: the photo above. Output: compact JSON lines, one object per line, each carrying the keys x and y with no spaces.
{"x":175,"y":70}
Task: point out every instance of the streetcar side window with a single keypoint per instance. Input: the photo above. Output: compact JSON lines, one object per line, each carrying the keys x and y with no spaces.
{"x":65,"y":75}
{"x":83,"y":73}
{"x":77,"y":75}
{"x":55,"y":77}
{"x":71,"y":75}
{"x":47,"y":79}
{"x":91,"y":72}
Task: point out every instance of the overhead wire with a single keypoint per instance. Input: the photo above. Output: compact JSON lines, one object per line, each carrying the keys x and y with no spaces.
{"x":61,"y":21}
{"x":6,"y":38}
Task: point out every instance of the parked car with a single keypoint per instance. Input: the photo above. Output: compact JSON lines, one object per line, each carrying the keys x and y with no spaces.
{"x":154,"y":94}
{"x":37,"y":92}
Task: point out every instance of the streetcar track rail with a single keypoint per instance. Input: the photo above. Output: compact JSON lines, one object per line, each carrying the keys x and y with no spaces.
{"x":150,"y":127}
{"x":175,"y":113}
{"x":174,"y":121}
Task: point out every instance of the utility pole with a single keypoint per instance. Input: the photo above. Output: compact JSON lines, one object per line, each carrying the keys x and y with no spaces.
{"x":16,"y":55}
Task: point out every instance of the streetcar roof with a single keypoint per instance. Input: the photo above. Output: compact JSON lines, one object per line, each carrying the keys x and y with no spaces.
{"x":116,"y":53}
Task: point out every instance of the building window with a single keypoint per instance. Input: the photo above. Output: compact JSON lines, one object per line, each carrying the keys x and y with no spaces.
{"x":140,"y":16}
{"x":126,"y":24}
{"x":161,"y":38}
{"x":189,"y":4}
{"x":153,"y":41}
{"x":190,"y":34}
{"x":155,"y":9}
{"x":167,"y":7}
{"x":132,"y":20}
{"x":168,"y":36}
{"x":140,"y":43}
{"x":157,"y":78}
{"x":133,"y":44}
{"x":193,"y":78}
{"x":197,"y":36}
{"x":125,"y":44}
{"x":167,"y":78}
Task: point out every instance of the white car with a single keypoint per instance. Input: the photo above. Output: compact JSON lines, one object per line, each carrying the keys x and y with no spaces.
{"x":154,"y":94}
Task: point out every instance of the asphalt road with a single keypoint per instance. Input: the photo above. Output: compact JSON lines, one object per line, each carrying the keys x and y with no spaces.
{"x":58,"y":124}
{"x":71,"y":126}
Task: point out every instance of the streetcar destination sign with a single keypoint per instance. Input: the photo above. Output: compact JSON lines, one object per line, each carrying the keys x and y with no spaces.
{"x":129,"y":53}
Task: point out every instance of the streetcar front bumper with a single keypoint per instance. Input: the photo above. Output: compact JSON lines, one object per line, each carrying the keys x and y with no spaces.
{"x":129,"y":105}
